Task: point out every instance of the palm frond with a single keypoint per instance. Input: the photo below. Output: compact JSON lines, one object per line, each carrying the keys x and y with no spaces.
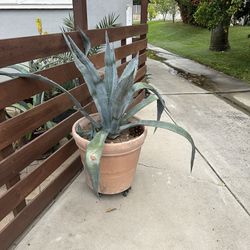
{"x":108,"y":21}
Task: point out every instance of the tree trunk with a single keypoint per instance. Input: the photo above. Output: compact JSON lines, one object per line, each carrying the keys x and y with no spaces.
{"x":219,"y":38}
{"x":173,"y":17}
{"x":164,"y":17}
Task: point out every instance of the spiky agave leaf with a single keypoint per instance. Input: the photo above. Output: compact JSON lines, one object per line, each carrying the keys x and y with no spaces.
{"x":119,"y":100}
{"x":161,"y":106}
{"x":111,"y":77}
{"x":86,"y":42}
{"x":93,"y":157}
{"x":133,"y":111}
{"x":95,"y":84}
{"x":20,"y":68}
{"x":55,"y":85}
{"x":21,"y":106}
{"x":160,"y":109}
{"x":142,"y":85}
{"x":38,"y":98}
{"x":91,"y":72}
{"x":165,"y":125}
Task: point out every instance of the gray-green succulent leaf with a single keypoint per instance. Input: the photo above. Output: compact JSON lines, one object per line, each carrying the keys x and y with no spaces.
{"x":165,"y":125}
{"x":133,"y":111}
{"x":94,"y":82}
{"x":93,"y":157}
{"x":86,"y":42}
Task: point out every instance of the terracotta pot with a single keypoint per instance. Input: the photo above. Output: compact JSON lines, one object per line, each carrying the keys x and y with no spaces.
{"x":118,"y":162}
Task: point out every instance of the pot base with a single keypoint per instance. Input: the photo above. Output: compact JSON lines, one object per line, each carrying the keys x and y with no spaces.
{"x":124,"y":193}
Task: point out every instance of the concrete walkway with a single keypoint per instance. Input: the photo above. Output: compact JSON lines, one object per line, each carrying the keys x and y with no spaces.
{"x":210,"y":78}
{"x":167,"y":207}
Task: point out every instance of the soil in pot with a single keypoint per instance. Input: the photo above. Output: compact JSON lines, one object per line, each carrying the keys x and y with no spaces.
{"x":125,"y":135}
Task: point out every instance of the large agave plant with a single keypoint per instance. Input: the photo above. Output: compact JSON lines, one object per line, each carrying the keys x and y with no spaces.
{"x":112,"y":96}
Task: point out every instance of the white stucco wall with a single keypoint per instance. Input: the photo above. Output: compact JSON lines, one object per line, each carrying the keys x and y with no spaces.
{"x":17,"y":17}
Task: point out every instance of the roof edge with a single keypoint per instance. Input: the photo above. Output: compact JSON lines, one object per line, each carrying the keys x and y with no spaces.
{"x":34,"y":6}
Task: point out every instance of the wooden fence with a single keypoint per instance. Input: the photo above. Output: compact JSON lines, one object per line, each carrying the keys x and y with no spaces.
{"x":65,"y":161}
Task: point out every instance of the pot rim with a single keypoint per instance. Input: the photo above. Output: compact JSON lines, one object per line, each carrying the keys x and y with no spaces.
{"x":110,"y":145}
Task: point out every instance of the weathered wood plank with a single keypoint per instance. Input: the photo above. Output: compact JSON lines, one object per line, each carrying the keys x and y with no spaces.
{"x":31,"y":211}
{"x":18,"y":192}
{"x":18,"y":89}
{"x":21,"y":89}
{"x":31,"y":151}
{"x":17,"y":50}
{"x":8,"y":150}
{"x":28,"y":121}
{"x":34,"y":149}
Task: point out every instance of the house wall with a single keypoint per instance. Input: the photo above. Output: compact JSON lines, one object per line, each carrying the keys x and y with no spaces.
{"x":18,"y":20}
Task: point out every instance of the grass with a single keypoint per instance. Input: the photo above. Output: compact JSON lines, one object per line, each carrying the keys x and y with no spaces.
{"x":193,"y":42}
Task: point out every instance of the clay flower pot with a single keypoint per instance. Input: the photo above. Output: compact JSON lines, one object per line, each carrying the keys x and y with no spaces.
{"x":118,"y":162}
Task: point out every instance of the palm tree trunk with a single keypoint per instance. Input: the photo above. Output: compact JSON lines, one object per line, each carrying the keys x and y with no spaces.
{"x":219,"y":38}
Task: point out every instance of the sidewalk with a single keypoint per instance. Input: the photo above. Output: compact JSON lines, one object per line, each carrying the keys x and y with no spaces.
{"x":212,"y":79}
{"x":167,"y":207}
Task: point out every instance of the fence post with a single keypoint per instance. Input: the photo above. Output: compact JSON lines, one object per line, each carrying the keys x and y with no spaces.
{"x":123,"y":43}
{"x":80,"y":14}
{"x":144,"y":18}
{"x":144,"y":11}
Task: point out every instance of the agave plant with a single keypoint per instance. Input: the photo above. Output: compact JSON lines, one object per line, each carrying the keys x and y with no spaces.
{"x":112,"y":96}
{"x":106,"y":22}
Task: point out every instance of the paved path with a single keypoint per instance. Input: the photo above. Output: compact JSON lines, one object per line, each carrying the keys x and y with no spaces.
{"x":167,"y":207}
{"x":211,"y":79}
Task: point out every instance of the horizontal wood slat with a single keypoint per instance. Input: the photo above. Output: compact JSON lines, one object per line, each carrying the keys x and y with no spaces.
{"x":18,"y":89}
{"x":141,"y":73}
{"x":130,"y":49}
{"x":34,"y":149}
{"x":140,"y":96}
{"x":32,"y":119}
{"x":32,"y":210}
{"x":21,"y":89}
{"x":17,"y":50}
{"x":3,"y":154}
{"x":24,"y":187}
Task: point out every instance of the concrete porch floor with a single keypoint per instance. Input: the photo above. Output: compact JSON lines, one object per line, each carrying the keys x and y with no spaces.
{"x":167,"y":208}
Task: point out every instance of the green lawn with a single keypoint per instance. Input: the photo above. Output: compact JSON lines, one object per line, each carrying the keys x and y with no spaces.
{"x":193,"y":42}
